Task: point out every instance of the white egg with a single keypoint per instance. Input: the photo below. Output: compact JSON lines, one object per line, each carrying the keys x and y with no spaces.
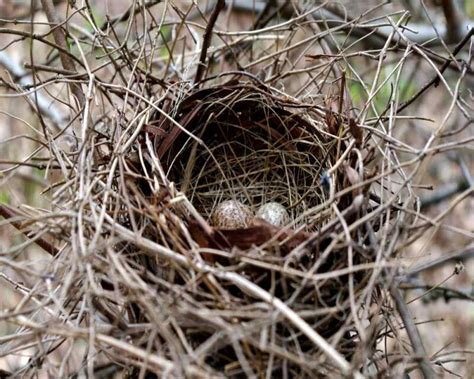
{"x":232,"y":214}
{"x":273,"y":213}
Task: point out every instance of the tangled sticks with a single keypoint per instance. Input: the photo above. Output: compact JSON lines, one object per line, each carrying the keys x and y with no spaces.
{"x":139,"y":280}
{"x":241,"y":141}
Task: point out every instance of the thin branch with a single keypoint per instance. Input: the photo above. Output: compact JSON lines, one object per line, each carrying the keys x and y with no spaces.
{"x":207,"y":40}
{"x":436,"y":79}
{"x":376,"y":37}
{"x":433,"y":292}
{"x":44,"y":105}
{"x":443,"y":192}
{"x":60,"y":39}
{"x":465,"y":170}
{"x":412,"y":332}
{"x":462,"y":254}
{"x":454,"y":20}
{"x":157,"y":362}
{"x":8,"y":213}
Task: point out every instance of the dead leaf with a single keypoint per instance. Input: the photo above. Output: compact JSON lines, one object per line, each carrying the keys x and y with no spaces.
{"x":353,"y":177}
{"x":356,"y":131}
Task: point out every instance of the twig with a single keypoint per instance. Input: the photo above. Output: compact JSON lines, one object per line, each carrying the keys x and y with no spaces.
{"x":8,"y":213}
{"x":436,"y":79}
{"x":60,"y":39}
{"x":457,"y":269}
{"x":462,"y":254}
{"x":418,"y":33}
{"x":44,"y":106}
{"x":132,"y":9}
{"x":157,"y":362}
{"x":245,"y":285}
{"x":436,"y":292}
{"x":465,"y":170}
{"x":454,"y":20}
{"x":412,"y":332}
{"x":207,"y":40}
{"x":444,"y":192}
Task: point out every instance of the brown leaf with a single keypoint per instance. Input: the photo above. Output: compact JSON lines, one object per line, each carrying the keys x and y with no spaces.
{"x":353,"y":177}
{"x":244,"y":238}
{"x":356,"y":131}
{"x":259,"y":233}
{"x":332,"y":122}
{"x":202,"y":238}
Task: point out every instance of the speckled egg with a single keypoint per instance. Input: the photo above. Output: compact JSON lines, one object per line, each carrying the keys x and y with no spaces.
{"x":232,"y":214}
{"x":274,"y":213}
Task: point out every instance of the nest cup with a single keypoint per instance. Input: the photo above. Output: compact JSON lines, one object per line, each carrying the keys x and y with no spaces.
{"x":246,"y":147}
{"x":242,"y":141}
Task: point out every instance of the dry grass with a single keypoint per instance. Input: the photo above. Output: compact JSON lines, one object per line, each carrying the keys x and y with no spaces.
{"x":164,"y":115}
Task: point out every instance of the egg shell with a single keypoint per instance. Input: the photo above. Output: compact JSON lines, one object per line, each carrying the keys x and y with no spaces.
{"x":273,"y":213}
{"x":232,"y":214}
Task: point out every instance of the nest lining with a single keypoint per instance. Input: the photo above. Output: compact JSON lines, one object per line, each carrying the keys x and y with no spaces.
{"x":250,"y":147}
{"x":253,"y":151}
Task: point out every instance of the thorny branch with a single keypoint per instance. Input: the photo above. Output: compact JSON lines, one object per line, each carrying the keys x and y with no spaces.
{"x":412,"y":332}
{"x":143,"y":278}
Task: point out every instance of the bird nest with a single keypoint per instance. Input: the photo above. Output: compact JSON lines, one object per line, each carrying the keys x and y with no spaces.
{"x":258,"y":283}
{"x":171,"y":112}
{"x":246,"y":146}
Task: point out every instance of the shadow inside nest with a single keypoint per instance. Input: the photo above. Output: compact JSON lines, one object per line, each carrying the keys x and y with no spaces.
{"x":243,"y":144}
{"x":240,"y":141}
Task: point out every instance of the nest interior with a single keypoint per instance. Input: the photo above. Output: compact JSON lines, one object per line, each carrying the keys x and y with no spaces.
{"x":247,"y":146}
{"x":241,"y":141}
